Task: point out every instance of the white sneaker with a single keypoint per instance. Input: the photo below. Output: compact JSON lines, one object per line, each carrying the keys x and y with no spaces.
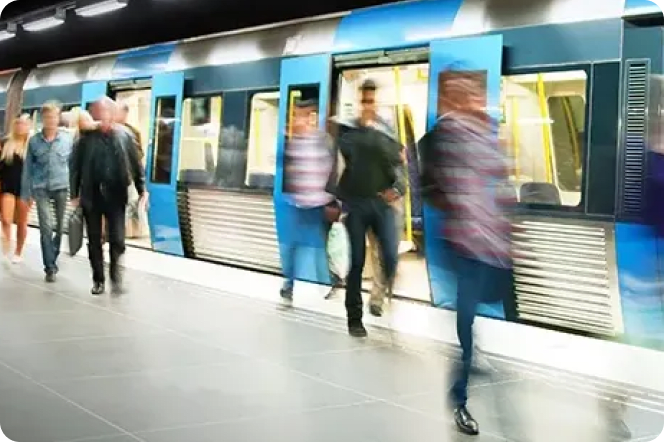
{"x":17,"y":259}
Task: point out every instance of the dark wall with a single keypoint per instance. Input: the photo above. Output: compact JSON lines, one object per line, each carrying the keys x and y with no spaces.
{"x":146,"y":22}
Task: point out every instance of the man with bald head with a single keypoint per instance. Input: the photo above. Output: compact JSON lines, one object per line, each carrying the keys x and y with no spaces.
{"x":104,"y":164}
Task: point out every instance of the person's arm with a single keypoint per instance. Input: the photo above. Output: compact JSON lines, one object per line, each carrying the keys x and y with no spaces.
{"x":136,"y":168}
{"x":26,"y":175}
{"x":75,"y":161}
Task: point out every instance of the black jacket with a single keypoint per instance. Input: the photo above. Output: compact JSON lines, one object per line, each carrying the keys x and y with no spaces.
{"x":87,"y":151}
{"x":373,"y":162}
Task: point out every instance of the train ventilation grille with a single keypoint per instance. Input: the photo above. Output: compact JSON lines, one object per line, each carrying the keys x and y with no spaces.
{"x":565,"y":276}
{"x":234,"y":228}
{"x":635,"y":135}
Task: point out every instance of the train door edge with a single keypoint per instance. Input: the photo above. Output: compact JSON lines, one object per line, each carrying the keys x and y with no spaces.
{"x":301,"y":78}
{"x":162,"y":162}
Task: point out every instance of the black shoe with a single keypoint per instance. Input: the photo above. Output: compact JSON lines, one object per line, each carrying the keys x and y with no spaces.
{"x":465,"y":422}
{"x":117,"y":289}
{"x":98,"y":288}
{"x":357,"y":330}
{"x":50,"y":277}
{"x":376,"y":311}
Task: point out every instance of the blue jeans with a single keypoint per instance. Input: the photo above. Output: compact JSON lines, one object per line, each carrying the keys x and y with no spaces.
{"x":50,"y":229}
{"x":476,"y":280}
{"x":363,"y":215}
{"x":307,"y":231}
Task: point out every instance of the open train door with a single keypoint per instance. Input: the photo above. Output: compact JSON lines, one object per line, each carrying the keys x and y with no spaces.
{"x":480,"y":56}
{"x":301,"y":78}
{"x":162,"y":162}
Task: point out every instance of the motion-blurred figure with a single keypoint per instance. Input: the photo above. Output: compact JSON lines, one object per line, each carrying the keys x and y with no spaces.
{"x":308,"y":164}
{"x":104,"y":164}
{"x":468,"y":171}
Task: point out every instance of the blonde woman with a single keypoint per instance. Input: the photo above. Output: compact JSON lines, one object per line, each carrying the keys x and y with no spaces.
{"x":14,"y":209}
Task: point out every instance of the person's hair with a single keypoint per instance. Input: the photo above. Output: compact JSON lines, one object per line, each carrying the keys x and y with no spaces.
{"x":15,"y":144}
{"x":50,"y":106}
{"x":368,"y":85}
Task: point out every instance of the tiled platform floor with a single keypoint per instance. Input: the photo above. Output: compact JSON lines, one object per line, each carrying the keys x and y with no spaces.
{"x":174,"y":362}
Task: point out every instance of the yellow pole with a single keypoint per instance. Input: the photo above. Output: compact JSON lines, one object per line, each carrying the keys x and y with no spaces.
{"x":404,"y":142}
{"x":516,"y":137}
{"x":546,"y":127}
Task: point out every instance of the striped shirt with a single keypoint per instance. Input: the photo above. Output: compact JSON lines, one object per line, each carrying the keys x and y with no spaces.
{"x":308,"y":163}
{"x":473,"y":173}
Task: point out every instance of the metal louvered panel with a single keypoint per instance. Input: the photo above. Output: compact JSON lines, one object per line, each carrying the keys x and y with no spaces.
{"x":234,"y":228}
{"x":635,"y":133}
{"x":565,"y":275}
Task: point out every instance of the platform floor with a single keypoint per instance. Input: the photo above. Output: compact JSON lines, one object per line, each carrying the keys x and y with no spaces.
{"x":174,"y":362}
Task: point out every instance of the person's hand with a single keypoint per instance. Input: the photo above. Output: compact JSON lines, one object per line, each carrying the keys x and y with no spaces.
{"x":144,"y":200}
{"x":75,"y":202}
{"x":390,"y":195}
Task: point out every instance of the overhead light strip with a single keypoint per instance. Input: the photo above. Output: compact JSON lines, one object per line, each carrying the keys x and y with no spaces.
{"x":4,"y":35}
{"x":46,"y":23}
{"x":101,"y":8}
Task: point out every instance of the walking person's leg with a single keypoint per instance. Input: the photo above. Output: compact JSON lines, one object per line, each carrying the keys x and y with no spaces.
{"x":379,"y":285}
{"x":357,"y":230}
{"x":22,"y":215}
{"x":8,"y":202}
{"x":115,"y":219}
{"x":59,"y":198}
{"x":93,"y":226}
{"x":383,"y":225}
{"x":46,"y":225}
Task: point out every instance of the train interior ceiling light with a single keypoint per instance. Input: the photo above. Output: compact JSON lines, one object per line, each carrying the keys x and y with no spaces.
{"x":46,"y":23}
{"x":8,"y":33}
{"x":101,"y":8}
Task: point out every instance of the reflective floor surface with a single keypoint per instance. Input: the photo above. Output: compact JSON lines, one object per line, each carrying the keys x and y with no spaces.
{"x":170,"y":361}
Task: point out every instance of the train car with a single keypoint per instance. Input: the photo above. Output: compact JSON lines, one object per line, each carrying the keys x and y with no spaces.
{"x":568,"y":81}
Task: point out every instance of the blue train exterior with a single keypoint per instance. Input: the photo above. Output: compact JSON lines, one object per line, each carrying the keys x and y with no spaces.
{"x":233,"y":214}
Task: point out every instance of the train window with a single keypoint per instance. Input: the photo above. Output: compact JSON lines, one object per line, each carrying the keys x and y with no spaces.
{"x":201,"y":130}
{"x":262,"y":150}
{"x":164,"y":131}
{"x":543,"y":125}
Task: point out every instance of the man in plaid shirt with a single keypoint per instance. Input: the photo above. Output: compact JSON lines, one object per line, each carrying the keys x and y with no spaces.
{"x":467,"y":179}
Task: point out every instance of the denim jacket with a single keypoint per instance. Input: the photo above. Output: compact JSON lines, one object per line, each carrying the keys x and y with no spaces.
{"x":46,"y":165}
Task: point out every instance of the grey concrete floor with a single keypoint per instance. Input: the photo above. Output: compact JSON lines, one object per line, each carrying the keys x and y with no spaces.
{"x":174,"y":362}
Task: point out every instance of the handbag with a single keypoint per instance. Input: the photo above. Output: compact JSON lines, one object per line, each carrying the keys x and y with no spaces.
{"x":75,"y":232}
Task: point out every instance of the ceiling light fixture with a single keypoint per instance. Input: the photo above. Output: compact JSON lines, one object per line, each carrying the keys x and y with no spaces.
{"x":9,"y":32}
{"x":46,"y":23}
{"x":101,"y":8}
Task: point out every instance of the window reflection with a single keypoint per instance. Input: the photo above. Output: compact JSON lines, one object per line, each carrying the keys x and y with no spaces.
{"x":262,"y":150}
{"x":163,"y":140}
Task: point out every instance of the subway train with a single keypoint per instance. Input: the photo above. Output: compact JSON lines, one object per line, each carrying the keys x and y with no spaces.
{"x":569,"y":82}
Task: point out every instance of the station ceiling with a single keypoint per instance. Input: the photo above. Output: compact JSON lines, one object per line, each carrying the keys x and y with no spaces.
{"x":145,"y":22}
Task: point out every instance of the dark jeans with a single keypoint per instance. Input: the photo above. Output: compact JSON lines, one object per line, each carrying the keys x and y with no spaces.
{"x":115,"y":221}
{"x":364,"y":215}
{"x":50,"y":229}
{"x":475,"y":280}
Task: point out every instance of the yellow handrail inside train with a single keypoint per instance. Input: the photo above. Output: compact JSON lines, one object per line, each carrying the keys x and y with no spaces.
{"x":404,"y":142}
{"x":291,"y":111}
{"x":257,"y":137}
{"x":516,"y":138}
{"x":546,"y":127}
{"x":573,"y":132}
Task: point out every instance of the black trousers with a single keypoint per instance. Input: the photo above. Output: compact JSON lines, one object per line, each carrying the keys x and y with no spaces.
{"x":115,"y":222}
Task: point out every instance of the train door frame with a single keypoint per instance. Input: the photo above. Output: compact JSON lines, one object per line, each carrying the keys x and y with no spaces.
{"x":163,"y":214}
{"x":305,"y":72}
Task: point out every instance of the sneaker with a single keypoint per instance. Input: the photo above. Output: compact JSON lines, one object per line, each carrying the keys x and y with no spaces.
{"x":357,"y":330}
{"x":98,"y":288}
{"x":50,"y":277}
{"x":117,"y":289}
{"x":17,"y":259}
{"x":376,"y":310}
{"x":286,"y":294}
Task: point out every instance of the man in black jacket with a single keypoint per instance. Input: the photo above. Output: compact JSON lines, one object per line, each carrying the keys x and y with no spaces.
{"x":369,"y":183}
{"x":103,"y":165}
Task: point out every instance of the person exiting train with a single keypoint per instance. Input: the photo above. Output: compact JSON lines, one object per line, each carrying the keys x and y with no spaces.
{"x":104,"y":164}
{"x":45,"y":179}
{"x":367,"y":188}
{"x":471,"y":172}
{"x":308,"y":165}
{"x":13,"y":208}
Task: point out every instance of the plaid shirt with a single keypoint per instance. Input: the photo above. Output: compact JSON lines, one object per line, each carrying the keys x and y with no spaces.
{"x":308,"y":163}
{"x":473,"y":173}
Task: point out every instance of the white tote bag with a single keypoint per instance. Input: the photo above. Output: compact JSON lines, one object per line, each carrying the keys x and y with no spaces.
{"x":338,"y":250}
